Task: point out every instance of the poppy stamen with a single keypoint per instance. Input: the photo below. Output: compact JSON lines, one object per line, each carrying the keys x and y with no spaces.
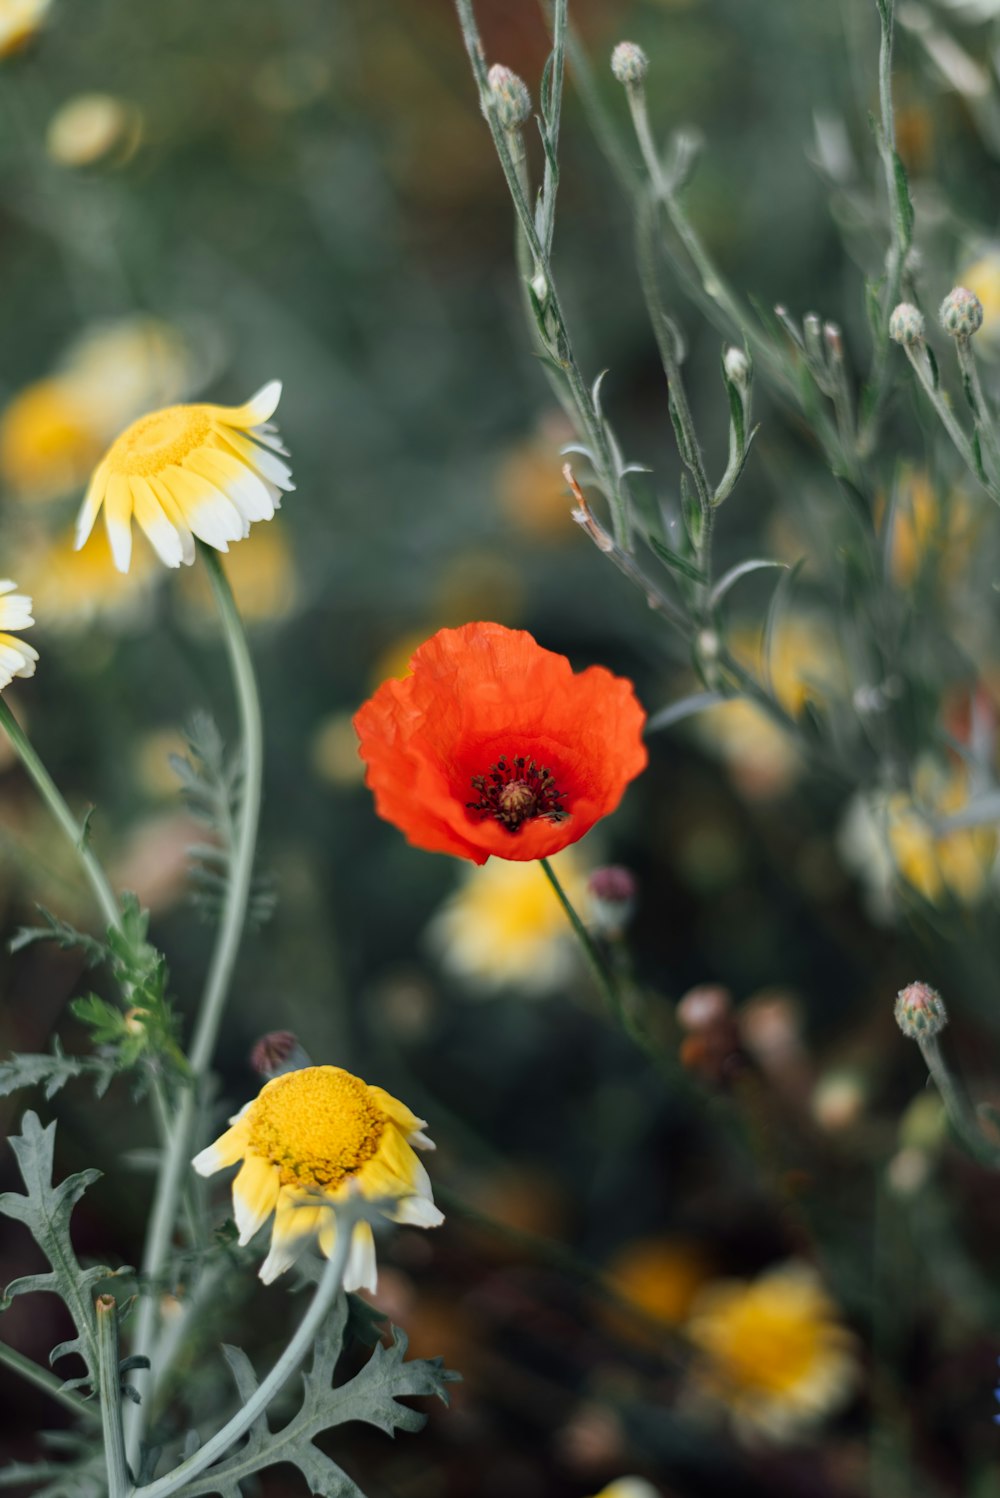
{"x":513,"y":792}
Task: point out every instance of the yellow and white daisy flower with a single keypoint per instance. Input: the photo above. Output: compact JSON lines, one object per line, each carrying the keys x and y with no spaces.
{"x":772,"y":1351}
{"x":309,"y":1140}
{"x":186,"y":471}
{"x":629,"y":1487}
{"x":16,"y":658}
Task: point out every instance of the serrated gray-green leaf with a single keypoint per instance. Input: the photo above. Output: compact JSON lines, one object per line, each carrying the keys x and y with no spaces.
{"x":370,"y":1397}
{"x":45,"y":1211}
{"x":50,"y":1072}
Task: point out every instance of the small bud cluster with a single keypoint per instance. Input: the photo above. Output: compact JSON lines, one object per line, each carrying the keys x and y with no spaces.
{"x":711,"y":1046}
{"x":906,"y":324}
{"x":629,"y":63}
{"x":961,"y":313}
{"x":509,"y":97}
{"x":920,"y":1011}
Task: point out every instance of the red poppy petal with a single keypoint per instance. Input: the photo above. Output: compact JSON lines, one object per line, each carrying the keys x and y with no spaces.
{"x":481,"y":692}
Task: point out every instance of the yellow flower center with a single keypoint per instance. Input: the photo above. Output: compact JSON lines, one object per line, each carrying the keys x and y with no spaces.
{"x":317,"y":1125}
{"x":155,"y":441}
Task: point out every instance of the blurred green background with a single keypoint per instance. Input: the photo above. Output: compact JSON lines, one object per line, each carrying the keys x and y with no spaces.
{"x":308,"y":192}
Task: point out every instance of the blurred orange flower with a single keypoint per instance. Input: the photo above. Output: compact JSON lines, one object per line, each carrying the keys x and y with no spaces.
{"x":494,"y":745}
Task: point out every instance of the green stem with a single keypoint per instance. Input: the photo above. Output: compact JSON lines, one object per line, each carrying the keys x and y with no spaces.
{"x":917,"y":355}
{"x":552,"y":326}
{"x":75,"y":831}
{"x":109,"y":1387}
{"x":900,"y":228}
{"x":977,"y":402}
{"x":957,"y":1104}
{"x":46,"y":1381}
{"x":177,"y":1153}
{"x":279,"y":1375}
{"x":602,"y":974}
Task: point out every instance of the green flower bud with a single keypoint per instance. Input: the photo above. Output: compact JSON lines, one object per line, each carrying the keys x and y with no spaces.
{"x":961,"y":313}
{"x":509,"y":96}
{"x":906,"y":324}
{"x":920,"y":1011}
{"x":629,"y":63}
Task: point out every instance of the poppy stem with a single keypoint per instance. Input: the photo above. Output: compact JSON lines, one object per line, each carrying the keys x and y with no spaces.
{"x":606,"y":981}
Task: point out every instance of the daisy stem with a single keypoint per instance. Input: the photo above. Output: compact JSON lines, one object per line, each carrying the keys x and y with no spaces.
{"x":241,"y":873}
{"x":75,"y":831}
{"x":109,"y":1380}
{"x":605,"y":980}
{"x":326,"y":1292}
{"x":177,"y":1152}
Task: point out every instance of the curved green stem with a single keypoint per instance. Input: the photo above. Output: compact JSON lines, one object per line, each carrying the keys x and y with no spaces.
{"x":605,"y":979}
{"x":956,"y":1104}
{"x":279,"y":1375}
{"x":76,"y":832}
{"x":47,"y":1382}
{"x":177,"y":1153}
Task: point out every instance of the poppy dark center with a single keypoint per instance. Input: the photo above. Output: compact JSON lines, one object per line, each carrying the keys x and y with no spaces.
{"x":514,"y":791}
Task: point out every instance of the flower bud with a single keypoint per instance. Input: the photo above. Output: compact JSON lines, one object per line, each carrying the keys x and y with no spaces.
{"x":737,"y":366}
{"x":277,"y":1053}
{"x":629,"y":63}
{"x":906,"y":324}
{"x":704,"y":1007}
{"x":920,"y":1011}
{"x":509,"y":97}
{"x":961,"y":313}
{"x":612,"y":893}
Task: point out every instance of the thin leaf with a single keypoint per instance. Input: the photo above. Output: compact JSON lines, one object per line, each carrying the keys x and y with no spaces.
{"x":687,"y":707}
{"x":741,"y":569}
{"x":675,"y":561}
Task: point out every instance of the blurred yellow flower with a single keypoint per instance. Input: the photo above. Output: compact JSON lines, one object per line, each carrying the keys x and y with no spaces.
{"x":261,"y":573}
{"x":334,"y":751}
{"x":20,"y":20}
{"x":889,"y":838}
{"x":629,"y":1487}
{"x":530,"y":488}
{"x":16,"y":658}
{"x":772,"y":1352}
{"x":186,"y":471}
{"x":504,"y":927}
{"x":89,"y":127}
{"x":983,"y":277}
{"x":927,"y":527}
{"x":47,"y":442}
{"x":394,"y":659}
{"x":73,"y":587}
{"x":955,"y":865}
{"x":54,"y":431}
{"x":762,"y":759}
{"x":660,"y":1277}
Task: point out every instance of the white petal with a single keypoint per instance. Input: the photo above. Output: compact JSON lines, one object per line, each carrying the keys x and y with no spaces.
{"x":161,"y":534}
{"x":118,"y":520}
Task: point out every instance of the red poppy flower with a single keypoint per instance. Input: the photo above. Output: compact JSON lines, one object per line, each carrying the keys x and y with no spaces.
{"x":493,"y":745}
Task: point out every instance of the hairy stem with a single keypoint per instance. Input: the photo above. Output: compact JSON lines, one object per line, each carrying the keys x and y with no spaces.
{"x":177,"y":1152}
{"x":956,"y":1104}
{"x":109,"y":1381}
{"x":279,"y":1375}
